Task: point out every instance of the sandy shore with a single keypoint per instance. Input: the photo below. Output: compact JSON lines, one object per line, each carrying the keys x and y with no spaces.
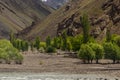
{"x":40,"y":63}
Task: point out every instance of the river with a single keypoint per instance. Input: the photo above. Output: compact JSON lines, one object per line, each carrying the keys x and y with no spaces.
{"x":52,"y":76}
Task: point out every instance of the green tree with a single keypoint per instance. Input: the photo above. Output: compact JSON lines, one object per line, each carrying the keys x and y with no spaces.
{"x":99,"y":51}
{"x":17,"y":44}
{"x":55,"y":42}
{"x":50,"y":49}
{"x":112,"y":51}
{"x":12,"y":37}
{"x":116,"y":40}
{"x":86,"y":28}
{"x":37,"y":43}
{"x":60,"y":42}
{"x":32,"y":46}
{"x":108,"y":36}
{"x":76,"y":42}
{"x":64,"y":38}
{"x":48,"y":41}
{"x":86,"y":53}
{"x":69,"y":45}
{"x":22,"y":45}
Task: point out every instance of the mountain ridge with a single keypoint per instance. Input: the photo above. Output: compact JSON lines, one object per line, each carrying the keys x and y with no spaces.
{"x":17,"y":15}
{"x":68,"y":18}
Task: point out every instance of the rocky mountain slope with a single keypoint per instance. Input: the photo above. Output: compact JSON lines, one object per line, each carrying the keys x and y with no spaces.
{"x":16,"y":15}
{"x":103,"y":14}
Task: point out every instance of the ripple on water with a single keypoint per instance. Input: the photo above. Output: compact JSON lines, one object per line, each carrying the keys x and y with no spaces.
{"x":53,"y":76}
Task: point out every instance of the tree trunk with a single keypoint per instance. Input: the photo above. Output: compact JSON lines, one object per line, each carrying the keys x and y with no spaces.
{"x":88,"y":61}
{"x":84,"y":61}
{"x":114,"y":61}
{"x":91,"y":61}
{"x":97,"y":61}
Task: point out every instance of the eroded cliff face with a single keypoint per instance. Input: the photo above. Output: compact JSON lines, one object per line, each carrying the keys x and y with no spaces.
{"x":109,"y":18}
{"x":16,"y":15}
{"x":103,"y":14}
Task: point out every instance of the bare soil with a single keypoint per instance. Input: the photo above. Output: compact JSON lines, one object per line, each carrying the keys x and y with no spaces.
{"x":40,"y":63}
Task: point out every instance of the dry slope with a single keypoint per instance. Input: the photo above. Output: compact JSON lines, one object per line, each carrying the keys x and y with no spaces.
{"x":102,"y":13}
{"x":15,"y":15}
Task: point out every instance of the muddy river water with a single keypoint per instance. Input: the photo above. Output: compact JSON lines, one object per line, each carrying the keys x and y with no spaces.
{"x":53,"y":76}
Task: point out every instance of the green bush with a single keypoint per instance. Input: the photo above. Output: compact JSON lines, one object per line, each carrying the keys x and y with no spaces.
{"x":24,"y":46}
{"x":43,"y":45}
{"x":116,"y":40}
{"x":112,"y":51}
{"x":86,"y":53}
{"x":4,"y":55}
{"x":42,"y":50}
{"x":7,"y":51}
{"x":99,"y":51}
{"x":50,"y":49}
{"x":76,"y":42}
{"x":4,"y":44}
{"x":18,"y":59}
{"x":57,"y":42}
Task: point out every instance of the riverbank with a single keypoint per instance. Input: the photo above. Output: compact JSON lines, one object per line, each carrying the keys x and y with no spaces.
{"x":41,"y":63}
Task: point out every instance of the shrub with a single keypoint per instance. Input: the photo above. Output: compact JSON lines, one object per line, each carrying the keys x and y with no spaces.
{"x":112,"y":51}
{"x":19,"y":59}
{"x":24,"y":46}
{"x":76,"y":42}
{"x":8,"y":52}
{"x":57,"y":42}
{"x":43,"y":45}
{"x":4,"y":44}
{"x":99,"y":51}
{"x":86,"y":53}
{"x":116,"y":40}
{"x":42,"y":50}
{"x":50,"y":49}
{"x":4,"y":56}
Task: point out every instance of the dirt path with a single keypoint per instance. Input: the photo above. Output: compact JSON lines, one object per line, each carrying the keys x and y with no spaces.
{"x":59,"y":63}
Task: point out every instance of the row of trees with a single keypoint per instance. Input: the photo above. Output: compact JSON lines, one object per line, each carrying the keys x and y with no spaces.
{"x":87,"y":47}
{"x":89,"y":51}
{"x":94,"y":51}
{"x":21,"y":45}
